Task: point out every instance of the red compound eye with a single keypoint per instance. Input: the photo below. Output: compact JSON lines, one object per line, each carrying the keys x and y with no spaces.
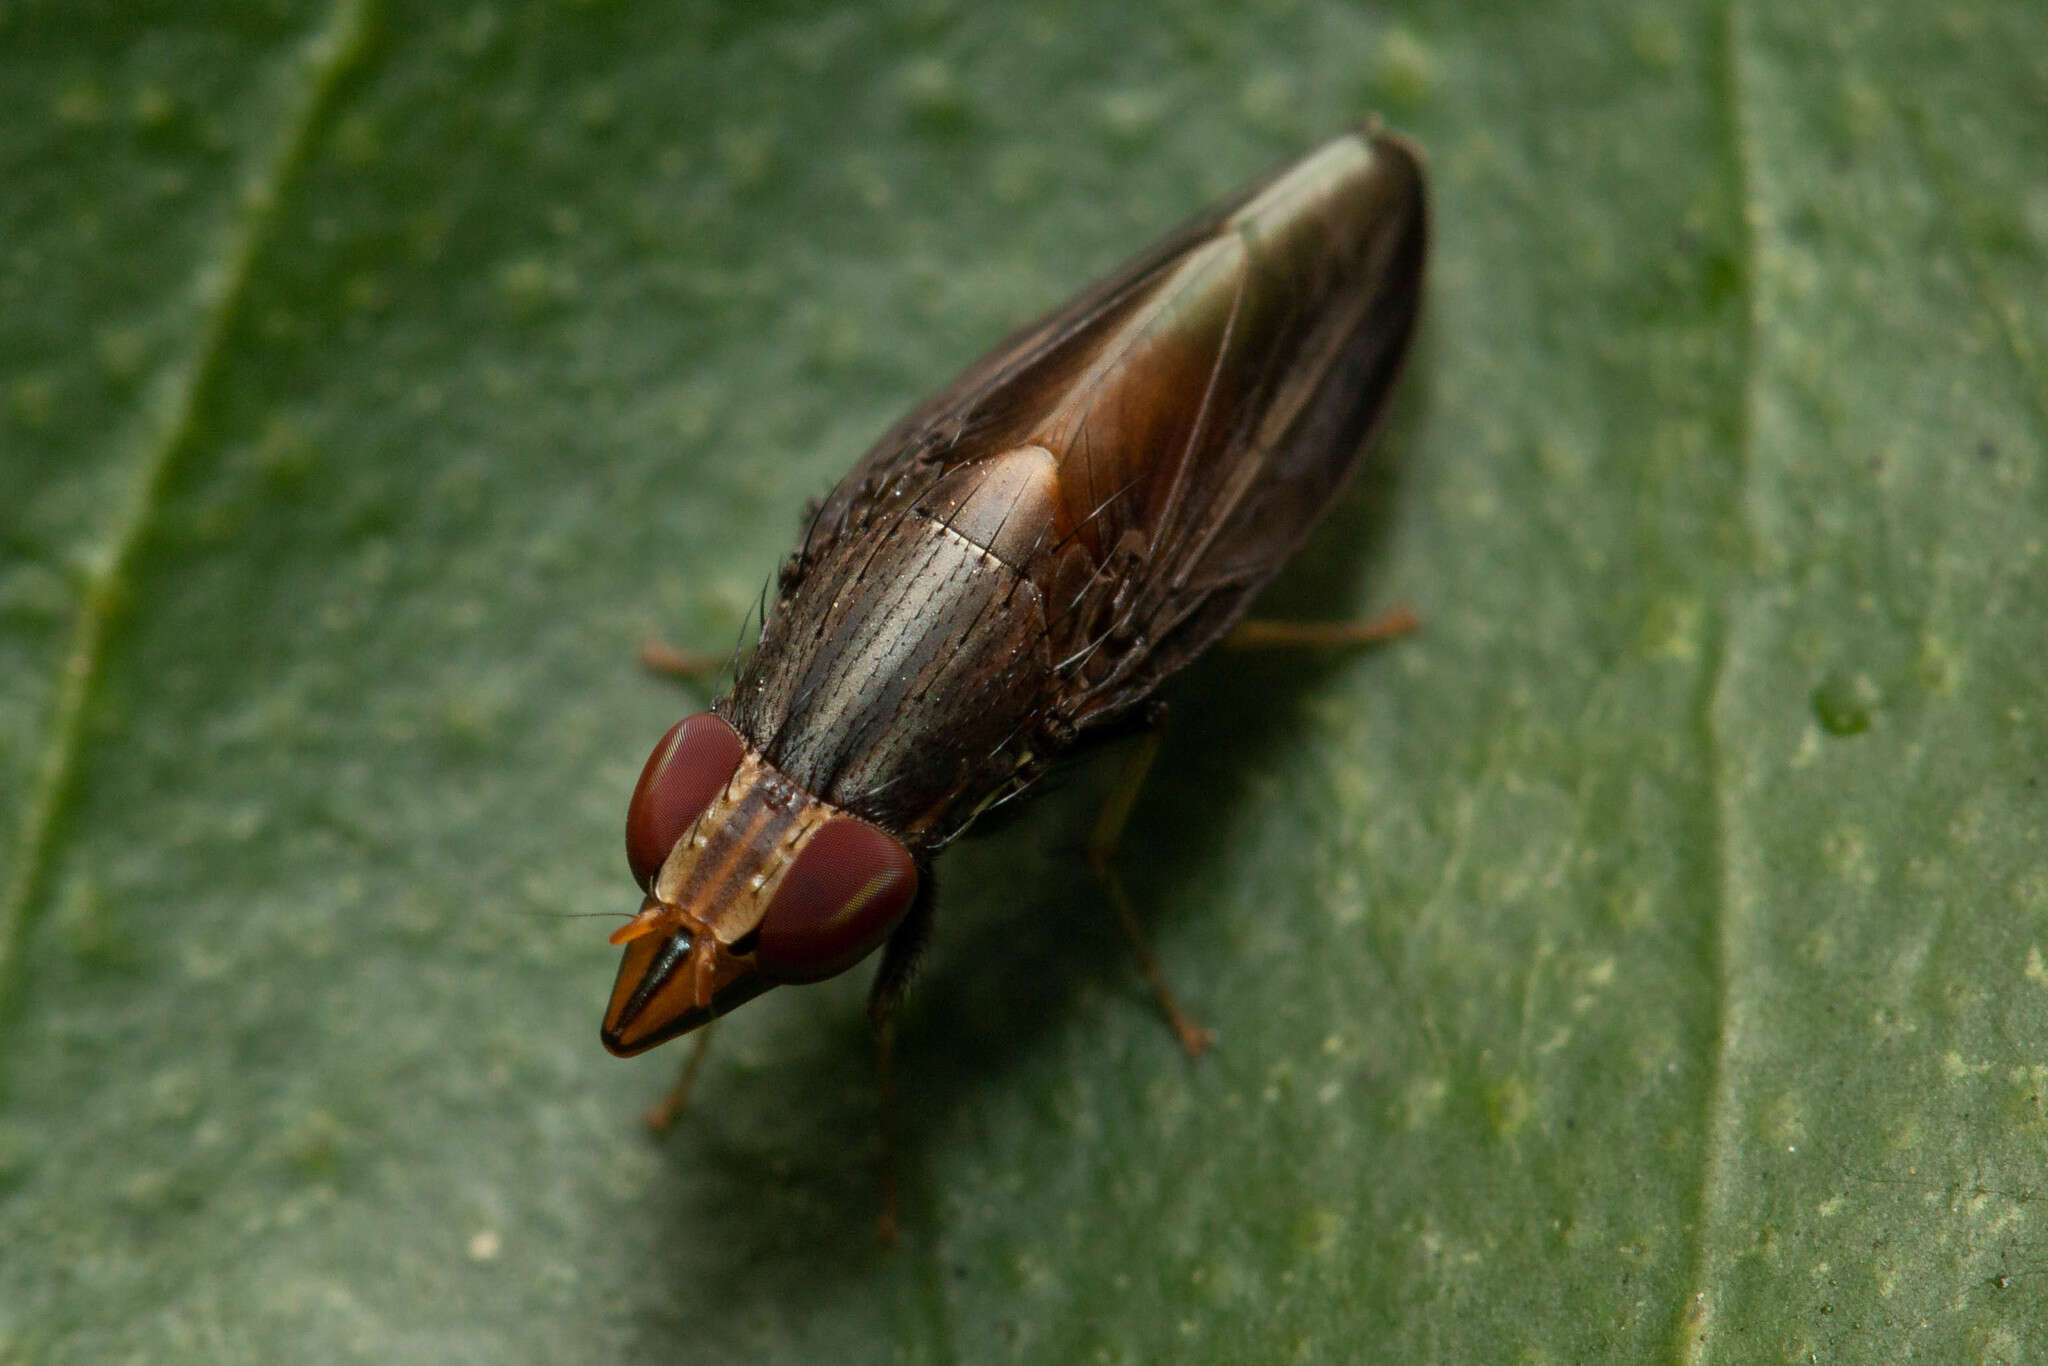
{"x":692,"y":763}
{"x":849,"y":887}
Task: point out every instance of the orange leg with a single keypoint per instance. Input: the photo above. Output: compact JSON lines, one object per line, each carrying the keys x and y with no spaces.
{"x":1102,"y":845}
{"x":662,"y":1115}
{"x":887,"y":1227}
{"x":687,"y":665}
{"x":898,"y":959}
{"x":1255,"y":635}
{"x":1116,"y":812}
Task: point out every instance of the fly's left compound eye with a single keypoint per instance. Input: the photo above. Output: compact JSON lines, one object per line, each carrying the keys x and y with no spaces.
{"x":850,"y":885}
{"x":682,"y":778}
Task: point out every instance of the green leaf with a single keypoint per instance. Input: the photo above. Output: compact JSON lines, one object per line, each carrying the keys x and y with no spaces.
{"x":1645,"y":961}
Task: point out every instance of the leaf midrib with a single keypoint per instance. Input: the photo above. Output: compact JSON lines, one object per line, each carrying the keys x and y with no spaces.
{"x":1696,"y":1302}
{"x":328,"y":56}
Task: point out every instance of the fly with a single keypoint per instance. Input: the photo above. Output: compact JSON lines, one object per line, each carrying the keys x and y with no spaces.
{"x":1011,"y":570}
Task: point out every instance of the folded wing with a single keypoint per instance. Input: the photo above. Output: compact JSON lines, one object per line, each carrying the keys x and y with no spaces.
{"x":1203,"y":406}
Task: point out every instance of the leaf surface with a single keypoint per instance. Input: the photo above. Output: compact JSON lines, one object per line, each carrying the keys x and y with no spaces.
{"x":1645,"y":961}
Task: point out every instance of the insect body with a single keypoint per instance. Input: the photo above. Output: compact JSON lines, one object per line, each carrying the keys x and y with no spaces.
{"x":1014,"y":566}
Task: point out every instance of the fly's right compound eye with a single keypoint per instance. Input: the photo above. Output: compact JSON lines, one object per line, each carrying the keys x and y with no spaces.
{"x":849,"y":887}
{"x":683,"y":776}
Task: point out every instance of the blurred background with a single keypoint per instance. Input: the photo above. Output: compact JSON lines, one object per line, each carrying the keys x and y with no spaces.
{"x":1645,"y":960}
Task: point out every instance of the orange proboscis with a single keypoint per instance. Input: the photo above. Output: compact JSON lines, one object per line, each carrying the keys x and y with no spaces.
{"x":704,"y":946}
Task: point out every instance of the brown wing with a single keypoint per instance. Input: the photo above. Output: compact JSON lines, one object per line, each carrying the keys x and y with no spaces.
{"x":1006,"y":388}
{"x":1204,"y":404}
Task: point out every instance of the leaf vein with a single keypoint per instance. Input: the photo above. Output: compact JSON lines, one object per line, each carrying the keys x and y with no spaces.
{"x":328,"y":56}
{"x":1696,"y":1303}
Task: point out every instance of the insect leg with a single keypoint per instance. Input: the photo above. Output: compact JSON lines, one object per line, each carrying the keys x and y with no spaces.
{"x":1254,"y":635}
{"x":660,"y":1116}
{"x":887,"y":1227}
{"x":697,"y":666}
{"x":905,"y":947}
{"x":689,"y":665}
{"x":899,"y":960}
{"x":1102,"y":846}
